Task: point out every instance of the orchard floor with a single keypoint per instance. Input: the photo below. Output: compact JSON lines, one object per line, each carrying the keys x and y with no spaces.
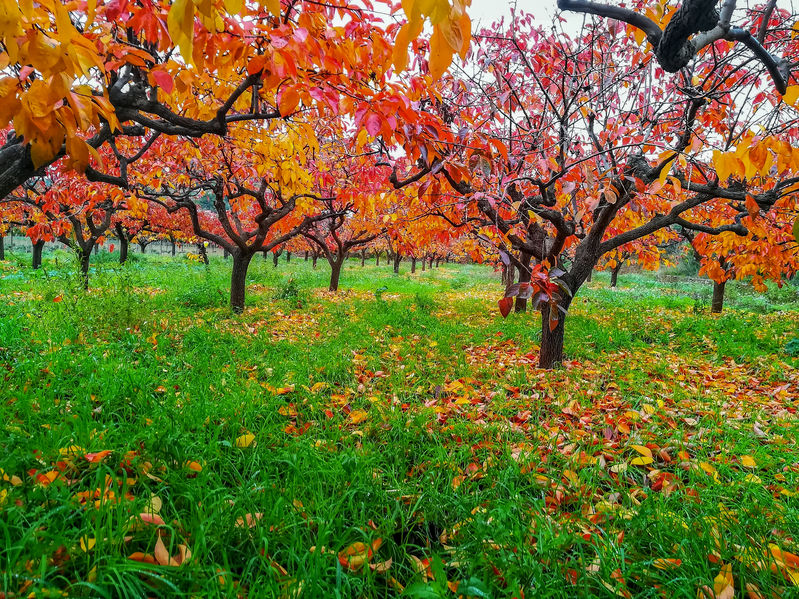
{"x":359,"y":444}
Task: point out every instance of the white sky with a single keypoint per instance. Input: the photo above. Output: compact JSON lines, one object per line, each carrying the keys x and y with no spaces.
{"x":487,"y":11}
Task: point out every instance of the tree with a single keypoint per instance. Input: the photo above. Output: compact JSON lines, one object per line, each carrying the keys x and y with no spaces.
{"x":578,"y":147}
{"x":348,"y":184}
{"x":246,"y":198}
{"x":77,"y":76}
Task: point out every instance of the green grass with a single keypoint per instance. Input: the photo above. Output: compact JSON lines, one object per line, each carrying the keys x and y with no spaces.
{"x":416,"y":417}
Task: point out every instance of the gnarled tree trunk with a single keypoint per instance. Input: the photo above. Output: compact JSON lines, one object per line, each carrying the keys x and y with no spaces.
{"x":717,"y":305}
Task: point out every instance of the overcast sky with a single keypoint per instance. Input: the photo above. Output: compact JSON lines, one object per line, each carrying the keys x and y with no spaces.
{"x":487,"y":11}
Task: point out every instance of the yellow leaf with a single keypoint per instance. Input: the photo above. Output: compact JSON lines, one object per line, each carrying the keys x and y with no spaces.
{"x":796,"y":230}
{"x":748,"y":461}
{"x":358,"y":416}
{"x":440,"y":53}
{"x":643,"y":450}
{"x":273,"y":6}
{"x":180,"y":24}
{"x":245,"y":440}
{"x":642,"y":461}
{"x":791,"y":95}
{"x":87,"y":543}
{"x":234,"y":7}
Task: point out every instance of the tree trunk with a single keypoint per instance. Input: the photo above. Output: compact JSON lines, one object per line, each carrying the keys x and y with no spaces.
{"x":38,"y":247}
{"x":225,"y":253}
{"x":288,"y":257}
{"x":424,"y":263}
{"x":438,"y":262}
{"x":238,"y":280}
{"x":524,"y":277}
{"x":96,"y":249}
{"x":590,"y":275}
{"x":363,"y":258}
{"x":275,"y":256}
{"x":313,"y":261}
{"x":123,"y":248}
{"x":377,"y":263}
{"x":717,"y":305}
{"x":306,"y":255}
{"x":335,"y":273}
{"x":143,"y":247}
{"x":431,"y":262}
{"x":397,"y":260}
{"x":551,"y":353}
{"x":173,"y":248}
{"x":203,"y":253}
{"x":413,"y":264}
{"x":2,"y":247}
{"x":614,"y":274}
{"x":84,"y":258}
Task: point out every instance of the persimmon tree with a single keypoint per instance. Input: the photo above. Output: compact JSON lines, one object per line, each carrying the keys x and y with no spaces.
{"x":66,"y":207}
{"x":76,"y":75}
{"x":349,"y":186}
{"x":578,"y":146}
{"x":761,"y":252}
{"x":246,"y":198}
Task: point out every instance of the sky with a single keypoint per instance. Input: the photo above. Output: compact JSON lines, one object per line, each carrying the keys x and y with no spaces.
{"x":491,"y":10}
{"x":486,"y":11}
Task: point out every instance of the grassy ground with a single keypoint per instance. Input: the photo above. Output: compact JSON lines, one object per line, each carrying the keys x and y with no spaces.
{"x":359,"y":444}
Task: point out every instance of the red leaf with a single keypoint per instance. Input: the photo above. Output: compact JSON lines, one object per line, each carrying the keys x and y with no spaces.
{"x":505,"y":304}
{"x":164,"y":80}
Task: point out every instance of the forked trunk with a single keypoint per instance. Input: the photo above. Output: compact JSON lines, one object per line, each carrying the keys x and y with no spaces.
{"x":551,"y":353}
{"x":525,"y":274}
{"x":397,"y":260}
{"x":717,"y":305}
{"x":238,"y":280}
{"x":38,"y":248}
{"x":335,"y":273}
